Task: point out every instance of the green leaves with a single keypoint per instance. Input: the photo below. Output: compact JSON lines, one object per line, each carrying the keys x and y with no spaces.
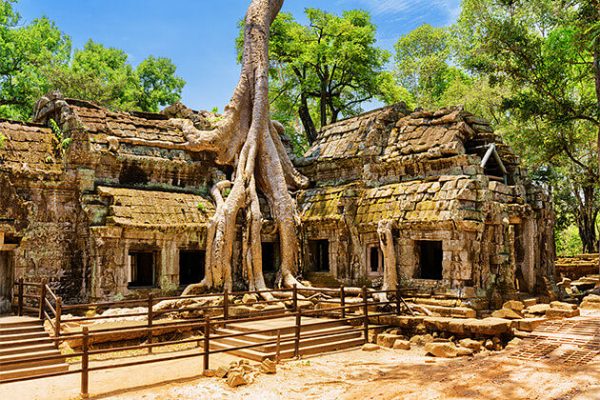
{"x":36,"y":58}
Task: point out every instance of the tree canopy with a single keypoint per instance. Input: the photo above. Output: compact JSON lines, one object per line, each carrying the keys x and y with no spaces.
{"x":37,"y":57}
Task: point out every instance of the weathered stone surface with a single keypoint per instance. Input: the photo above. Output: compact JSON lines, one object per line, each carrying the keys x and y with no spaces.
{"x":463,"y":351}
{"x":561,"y":313}
{"x":448,"y":350}
{"x":559,"y":305}
{"x":370,"y":347}
{"x":530,"y":302}
{"x":514,"y":305}
{"x":474,"y":345}
{"x":480,"y":327}
{"x":236,"y":379}
{"x":591,"y":302}
{"x":529,"y":324}
{"x":539,"y":309}
{"x":387,"y":339}
{"x":506,"y":313}
{"x":268,"y":367}
{"x":250,"y":298}
{"x":421,"y":340}
{"x":400,"y":344}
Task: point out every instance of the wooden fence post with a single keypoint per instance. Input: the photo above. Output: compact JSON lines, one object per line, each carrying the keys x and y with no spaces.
{"x":366,"y":312}
{"x":343,"y":300}
{"x":20,"y":298}
{"x":206,"y":344}
{"x":85,"y":364}
{"x":278,"y":347}
{"x":398,"y":301}
{"x":150,"y":321}
{"x":297,"y":333}
{"x":57,"y":320}
{"x":225,"y":306}
{"x":295,"y":297}
{"x":43,"y":298}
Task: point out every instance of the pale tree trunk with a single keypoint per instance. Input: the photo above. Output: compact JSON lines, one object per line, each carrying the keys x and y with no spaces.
{"x":247,"y":139}
{"x":386,"y":242}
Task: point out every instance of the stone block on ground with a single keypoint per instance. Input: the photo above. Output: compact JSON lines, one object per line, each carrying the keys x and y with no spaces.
{"x":370,"y":347}
{"x":591,"y":302}
{"x":464,"y":352}
{"x":538,"y":309}
{"x":507,"y":313}
{"x":236,"y":379}
{"x":559,"y":305}
{"x":560,"y":313}
{"x":530,"y":302}
{"x":447,"y":349}
{"x":514,"y":305}
{"x":474,"y":345}
{"x":421,"y":340}
{"x":480,"y":327}
{"x":268,"y":367}
{"x":250,"y":298}
{"x":529,"y":324}
{"x":388,"y":339}
{"x":401,"y":345}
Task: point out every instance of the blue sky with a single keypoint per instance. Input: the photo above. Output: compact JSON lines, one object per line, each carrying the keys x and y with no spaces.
{"x":198,"y":35}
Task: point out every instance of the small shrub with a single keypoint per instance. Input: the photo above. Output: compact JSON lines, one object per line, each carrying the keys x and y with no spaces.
{"x":61,"y":143}
{"x":201,"y":207}
{"x":2,"y":140}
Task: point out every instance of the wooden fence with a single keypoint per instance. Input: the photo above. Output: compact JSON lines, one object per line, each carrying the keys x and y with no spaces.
{"x":39,"y":299}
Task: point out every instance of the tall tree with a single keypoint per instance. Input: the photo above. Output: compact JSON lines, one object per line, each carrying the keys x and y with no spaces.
{"x":548,"y":54}
{"x":159,"y":84}
{"x":328,"y":67}
{"x":247,"y":139}
{"x":27,"y":51}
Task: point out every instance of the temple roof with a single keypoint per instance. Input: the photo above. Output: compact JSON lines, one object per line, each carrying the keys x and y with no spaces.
{"x":155,"y":209}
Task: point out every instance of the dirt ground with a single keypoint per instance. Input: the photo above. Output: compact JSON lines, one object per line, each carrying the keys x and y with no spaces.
{"x":354,"y":374}
{"x":391,"y":374}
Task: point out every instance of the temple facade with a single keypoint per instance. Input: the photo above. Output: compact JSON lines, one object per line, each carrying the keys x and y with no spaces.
{"x":86,"y":205}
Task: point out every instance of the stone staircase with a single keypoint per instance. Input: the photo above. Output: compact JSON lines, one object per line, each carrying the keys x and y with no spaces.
{"x":332,"y":335}
{"x":22,"y":338}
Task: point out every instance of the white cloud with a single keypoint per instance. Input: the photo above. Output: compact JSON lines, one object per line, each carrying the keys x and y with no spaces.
{"x":449,"y":8}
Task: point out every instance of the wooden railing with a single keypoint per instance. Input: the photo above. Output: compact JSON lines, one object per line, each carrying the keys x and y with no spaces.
{"x":53,"y":313}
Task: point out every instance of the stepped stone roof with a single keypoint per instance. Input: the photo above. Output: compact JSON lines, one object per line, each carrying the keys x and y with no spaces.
{"x":156,"y":209}
{"x":28,"y":148}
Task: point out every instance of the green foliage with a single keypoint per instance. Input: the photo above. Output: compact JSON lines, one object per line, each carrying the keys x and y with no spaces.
{"x":27,"y":52}
{"x":201,"y":207}
{"x":2,"y":140}
{"x":104,"y":75}
{"x":568,"y":242}
{"x":36,"y":58}
{"x":61,"y":143}
{"x":325,"y":69}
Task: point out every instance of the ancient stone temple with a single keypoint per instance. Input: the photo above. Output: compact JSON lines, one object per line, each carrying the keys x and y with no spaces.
{"x":86,"y":204}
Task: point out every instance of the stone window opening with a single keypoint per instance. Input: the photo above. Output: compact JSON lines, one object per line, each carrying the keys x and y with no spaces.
{"x":431,"y":256}
{"x":319,"y":254}
{"x":143,"y":269}
{"x":192,"y":264}
{"x":376,"y":261}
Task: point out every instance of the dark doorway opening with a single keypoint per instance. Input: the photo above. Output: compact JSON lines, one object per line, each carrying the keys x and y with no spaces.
{"x":430,"y":259}
{"x":376,"y":264}
{"x":191,"y":266}
{"x":6,"y":282}
{"x":143,"y":269}
{"x":270,"y":257}
{"x":319,"y":255}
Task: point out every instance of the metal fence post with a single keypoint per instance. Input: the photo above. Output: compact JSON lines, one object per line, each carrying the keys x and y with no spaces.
{"x":225,"y":306}
{"x":366,"y":312}
{"x":206,"y":344}
{"x":295,"y":297}
{"x":20,"y":298}
{"x":150,"y":321}
{"x":85,"y":364}
{"x":297,"y":334}
{"x":343,"y":300}
{"x":42,"y":298}
{"x":58,"y":318}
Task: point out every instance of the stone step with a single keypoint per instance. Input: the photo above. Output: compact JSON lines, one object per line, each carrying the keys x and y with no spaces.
{"x":307,"y":350}
{"x":39,"y":333}
{"x":288,"y":329}
{"x":13,"y":322}
{"x":289,"y":345}
{"x":43,"y":339}
{"x":21,"y":329}
{"x":48,"y":345}
{"x":32,"y":363}
{"x":258,"y":338}
{"x":33,"y":371}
